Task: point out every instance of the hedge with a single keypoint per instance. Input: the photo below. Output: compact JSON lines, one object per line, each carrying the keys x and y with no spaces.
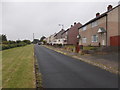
{"x":8,"y":46}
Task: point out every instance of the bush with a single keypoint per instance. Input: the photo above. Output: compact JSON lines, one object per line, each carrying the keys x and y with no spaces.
{"x":5,"y":42}
{"x":5,"y":47}
{"x":89,"y":48}
{"x":70,"y":48}
{"x":12,"y":44}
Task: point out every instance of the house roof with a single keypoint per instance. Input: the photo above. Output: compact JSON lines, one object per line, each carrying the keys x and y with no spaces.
{"x":59,"y":32}
{"x":65,"y":31}
{"x":98,"y":17}
{"x":70,"y":27}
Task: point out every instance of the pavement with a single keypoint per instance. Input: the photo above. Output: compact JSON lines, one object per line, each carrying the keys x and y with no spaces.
{"x":62,"y":71}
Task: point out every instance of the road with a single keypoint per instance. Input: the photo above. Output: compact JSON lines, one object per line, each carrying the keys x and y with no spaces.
{"x":60,"y":71}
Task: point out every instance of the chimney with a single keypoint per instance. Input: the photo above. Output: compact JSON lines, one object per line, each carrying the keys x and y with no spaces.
{"x":71,"y":25}
{"x":74,"y":23}
{"x":109,"y":7}
{"x":97,"y":14}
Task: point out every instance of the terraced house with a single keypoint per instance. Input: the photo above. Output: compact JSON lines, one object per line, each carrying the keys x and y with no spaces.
{"x":70,"y":35}
{"x":102,"y":30}
{"x":58,"y":37}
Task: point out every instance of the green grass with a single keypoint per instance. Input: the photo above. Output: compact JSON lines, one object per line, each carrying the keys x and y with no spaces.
{"x":89,"y":48}
{"x":0,"y":70}
{"x":18,"y":67}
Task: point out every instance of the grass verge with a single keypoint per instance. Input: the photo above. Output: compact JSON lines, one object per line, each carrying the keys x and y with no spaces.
{"x":38,"y":75}
{"x":0,"y":70}
{"x":18,"y":68}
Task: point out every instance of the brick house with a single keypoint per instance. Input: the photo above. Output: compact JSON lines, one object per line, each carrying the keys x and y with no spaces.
{"x":102,"y":30}
{"x":58,"y":37}
{"x":52,"y":38}
{"x":70,"y":34}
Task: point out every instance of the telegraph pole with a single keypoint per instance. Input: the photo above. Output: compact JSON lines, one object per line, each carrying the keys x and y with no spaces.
{"x":33,"y":36}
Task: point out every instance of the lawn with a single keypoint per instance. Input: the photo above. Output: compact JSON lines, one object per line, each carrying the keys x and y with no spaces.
{"x":0,"y":70}
{"x":18,"y":67}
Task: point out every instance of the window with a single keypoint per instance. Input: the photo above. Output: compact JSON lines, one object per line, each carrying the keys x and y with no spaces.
{"x":84,"y":28}
{"x":66,"y":33}
{"x":94,"y":38}
{"x":93,"y":24}
{"x":84,"y":40}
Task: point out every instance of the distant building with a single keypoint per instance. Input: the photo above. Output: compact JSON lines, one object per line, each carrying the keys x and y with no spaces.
{"x":64,"y":37}
{"x":102,"y":30}
{"x":58,"y":37}
{"x":48,"y":40}
{"x":70,"y":35}
{"x":52,"y":39}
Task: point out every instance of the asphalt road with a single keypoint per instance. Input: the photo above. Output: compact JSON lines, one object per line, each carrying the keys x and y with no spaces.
{"x":60,"y":71}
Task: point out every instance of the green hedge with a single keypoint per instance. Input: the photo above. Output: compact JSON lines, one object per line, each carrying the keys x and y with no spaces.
{"x":8,"y":46}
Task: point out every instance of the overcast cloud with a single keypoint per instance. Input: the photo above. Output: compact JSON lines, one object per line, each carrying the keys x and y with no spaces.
{"x":21,"y":19}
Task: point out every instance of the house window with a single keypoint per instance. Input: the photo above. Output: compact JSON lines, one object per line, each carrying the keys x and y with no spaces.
{"x":94,"y":38}
{"x":84,"y":40}
{"x":93,"y":24}
{"x":66,"y":33}
{"x":84,"y":28}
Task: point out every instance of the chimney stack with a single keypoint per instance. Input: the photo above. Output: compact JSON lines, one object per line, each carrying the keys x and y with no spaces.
{"x":97,"y":14}
{"x":74,"y":23}
{"x":109,"y":7}
{"x":71,"y":25}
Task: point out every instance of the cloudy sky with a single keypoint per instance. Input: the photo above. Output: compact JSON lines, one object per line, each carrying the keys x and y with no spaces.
{"x":21,"y":19}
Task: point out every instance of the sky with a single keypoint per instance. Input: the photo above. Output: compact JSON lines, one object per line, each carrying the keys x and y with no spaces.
{"x":20,"y":19}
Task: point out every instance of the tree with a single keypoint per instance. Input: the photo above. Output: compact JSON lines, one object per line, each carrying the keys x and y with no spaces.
{"x":0,"y":38}
{"x":11,"y":42}
{"x":3,"y":38}
{"x":35,"y":41}
{"x":42,"y":38}
{"x":18,"y":41}
{"x":27,"y":41}
{"x":44,"y":42}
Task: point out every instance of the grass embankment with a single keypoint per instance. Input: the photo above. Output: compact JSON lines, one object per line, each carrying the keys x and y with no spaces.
{"x":0,"y":70}
{"x":18,"y":67}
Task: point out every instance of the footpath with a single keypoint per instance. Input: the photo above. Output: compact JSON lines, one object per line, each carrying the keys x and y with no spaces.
{"x":106,"y":61}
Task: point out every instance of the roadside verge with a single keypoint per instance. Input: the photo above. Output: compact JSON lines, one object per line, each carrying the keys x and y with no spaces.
{"x":38,"y":75}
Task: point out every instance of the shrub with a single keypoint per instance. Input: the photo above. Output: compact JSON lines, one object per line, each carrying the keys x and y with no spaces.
{"x":5,"y":47}
{"x":13,"y":44}
{"x":89,"y":48}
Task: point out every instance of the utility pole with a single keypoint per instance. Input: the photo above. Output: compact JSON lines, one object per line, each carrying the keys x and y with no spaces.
{"x":33,"y":37}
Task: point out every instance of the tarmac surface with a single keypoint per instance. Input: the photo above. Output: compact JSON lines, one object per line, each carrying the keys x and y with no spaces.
{"x":61,"y":71}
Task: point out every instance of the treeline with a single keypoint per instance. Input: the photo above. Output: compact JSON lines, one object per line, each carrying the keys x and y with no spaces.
{"x":7,"y":44}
